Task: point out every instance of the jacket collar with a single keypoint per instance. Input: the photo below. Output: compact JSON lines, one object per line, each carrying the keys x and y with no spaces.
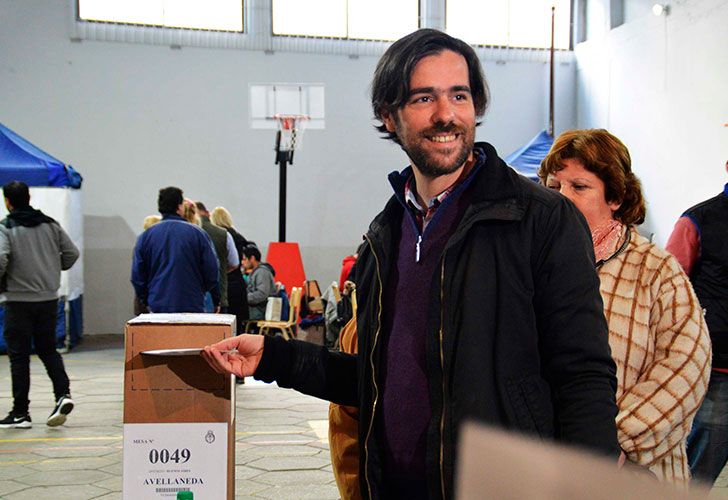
{"x":495,"y":193}
{"x":399,"y":180}
{"x":172,"y":217}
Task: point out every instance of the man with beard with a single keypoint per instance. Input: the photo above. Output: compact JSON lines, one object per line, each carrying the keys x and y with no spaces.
{"x":476,"y":290}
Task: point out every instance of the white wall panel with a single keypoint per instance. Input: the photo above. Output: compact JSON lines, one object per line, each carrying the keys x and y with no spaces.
{"x":134,"y":117}
{"x":658,"y":83}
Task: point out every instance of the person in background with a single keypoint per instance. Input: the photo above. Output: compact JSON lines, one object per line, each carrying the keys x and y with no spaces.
{"x":220,"y":216}
{"x":149,"y":221}
{"x":34,"y":249}
{"x":237,"y":289}
{"x":346,"y":266}
{"x":174,"y":263}
{"x":477,"y":297}
{"x":189,"y":212}
{"x":260,"y":282}
{"x":699,"y":244}
{"x":224,"y":247}
{"x":656,"y":329}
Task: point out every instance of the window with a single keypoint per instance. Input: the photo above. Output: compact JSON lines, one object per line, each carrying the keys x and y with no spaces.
{"x":356,"y":19}
{"x":509,"y":23}
{"x":216,"y":15}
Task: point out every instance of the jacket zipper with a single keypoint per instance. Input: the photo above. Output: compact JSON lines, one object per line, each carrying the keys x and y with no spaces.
{"x":442,"y":370}
{"x":374,"y":378}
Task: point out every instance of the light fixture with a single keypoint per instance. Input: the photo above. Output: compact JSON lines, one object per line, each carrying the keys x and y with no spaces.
{"x":660,"y":9}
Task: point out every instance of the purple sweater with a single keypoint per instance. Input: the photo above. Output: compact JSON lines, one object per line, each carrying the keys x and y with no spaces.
{"x":405,"y":410}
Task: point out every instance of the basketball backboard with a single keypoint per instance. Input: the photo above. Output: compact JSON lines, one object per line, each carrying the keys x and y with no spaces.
{"x":270,"y":99}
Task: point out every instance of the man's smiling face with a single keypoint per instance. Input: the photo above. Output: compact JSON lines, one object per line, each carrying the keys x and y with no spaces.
{"x":436,"y":125}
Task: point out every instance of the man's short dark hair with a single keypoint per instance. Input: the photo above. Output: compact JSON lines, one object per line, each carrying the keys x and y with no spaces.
{"x":251,"y":251}
{"x":200,"y":206}
{"x":169,"y":200}
{"x":17,"y":194}
{"x":390,"y":85}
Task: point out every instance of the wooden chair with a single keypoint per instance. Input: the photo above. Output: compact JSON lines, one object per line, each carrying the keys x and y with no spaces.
{"x":287,"y":328}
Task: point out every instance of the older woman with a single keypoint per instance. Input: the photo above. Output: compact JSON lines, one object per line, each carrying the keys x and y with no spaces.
{"x":657,"y":333}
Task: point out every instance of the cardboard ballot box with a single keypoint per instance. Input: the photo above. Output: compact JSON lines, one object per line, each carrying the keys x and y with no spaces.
{"x":179,"y":414}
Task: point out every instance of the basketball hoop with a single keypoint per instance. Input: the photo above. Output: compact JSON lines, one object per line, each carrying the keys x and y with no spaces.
{"x":290,"y":131}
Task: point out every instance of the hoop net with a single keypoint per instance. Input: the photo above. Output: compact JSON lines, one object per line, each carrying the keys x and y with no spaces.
{"x":291,"y":129}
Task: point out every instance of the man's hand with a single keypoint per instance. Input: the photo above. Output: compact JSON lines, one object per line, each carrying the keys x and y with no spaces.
{"x":217,"y":310}
{"x":237,"y":355}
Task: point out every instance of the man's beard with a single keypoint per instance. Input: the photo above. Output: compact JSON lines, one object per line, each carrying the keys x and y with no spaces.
{"x":429,"y":164}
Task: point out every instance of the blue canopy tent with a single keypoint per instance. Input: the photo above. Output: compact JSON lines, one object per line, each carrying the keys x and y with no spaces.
{"x":22,"y":161}
{"x":527,"y":160}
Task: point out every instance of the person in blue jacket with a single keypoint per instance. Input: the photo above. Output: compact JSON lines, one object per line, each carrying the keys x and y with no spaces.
{"x":174,"y":261}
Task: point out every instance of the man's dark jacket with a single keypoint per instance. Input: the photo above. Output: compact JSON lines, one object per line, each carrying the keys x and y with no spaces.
{"x":516,"y":339}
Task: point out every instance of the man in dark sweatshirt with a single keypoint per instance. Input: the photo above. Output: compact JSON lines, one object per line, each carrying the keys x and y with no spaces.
{"x":34,"y":249}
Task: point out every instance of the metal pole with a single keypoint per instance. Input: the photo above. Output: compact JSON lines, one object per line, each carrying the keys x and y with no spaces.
{"x":551,"y":77}
{"x":283,"y":160}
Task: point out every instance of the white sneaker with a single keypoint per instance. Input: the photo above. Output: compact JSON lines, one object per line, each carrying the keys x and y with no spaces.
{"x":13,"y":421}
{"x":60,"y":412}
